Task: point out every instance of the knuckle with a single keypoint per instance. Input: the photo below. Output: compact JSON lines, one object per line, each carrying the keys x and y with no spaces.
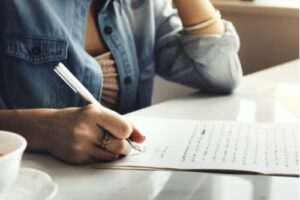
{"x":81,"y":130}
{"x":126,"y":129}
{"x":76,"y":134}
{"x":121,"y":147}
{"x":76,"y":130}
{"x":76,"y":150}
{"x":89,"y":110}
{"x":94,"y":108}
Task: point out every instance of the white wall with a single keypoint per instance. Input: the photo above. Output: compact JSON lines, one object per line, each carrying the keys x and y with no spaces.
{"x":269,"y":31}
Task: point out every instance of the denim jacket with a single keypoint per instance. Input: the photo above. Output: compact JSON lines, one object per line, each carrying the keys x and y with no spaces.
{"x":145,"y":37}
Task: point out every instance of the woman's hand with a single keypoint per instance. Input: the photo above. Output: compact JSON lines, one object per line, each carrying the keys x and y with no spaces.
{"x":76,"y":135}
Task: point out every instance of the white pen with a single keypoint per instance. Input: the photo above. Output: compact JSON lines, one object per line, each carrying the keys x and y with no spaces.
{"x":77,"y":87}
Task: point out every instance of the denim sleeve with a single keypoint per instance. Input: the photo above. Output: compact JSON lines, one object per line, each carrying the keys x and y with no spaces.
{"x":206,"y":62}
{"x":2,"y":105}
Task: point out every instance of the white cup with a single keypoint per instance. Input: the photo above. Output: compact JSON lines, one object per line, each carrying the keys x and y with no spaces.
{"x":12,"y":147}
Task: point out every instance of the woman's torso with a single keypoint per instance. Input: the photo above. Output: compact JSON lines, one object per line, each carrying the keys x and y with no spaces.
{"x":54,"y":32}
{"x":97,"y":48}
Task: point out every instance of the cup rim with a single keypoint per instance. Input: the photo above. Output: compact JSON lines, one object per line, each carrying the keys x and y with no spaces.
{"x":20,"y":149}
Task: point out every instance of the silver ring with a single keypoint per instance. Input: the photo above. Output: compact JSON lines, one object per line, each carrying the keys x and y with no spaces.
{"x":105,"y":140}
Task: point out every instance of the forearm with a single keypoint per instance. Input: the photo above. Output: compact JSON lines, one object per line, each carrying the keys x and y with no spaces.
{"x":30,"y":123}
{"x":194,"y":12}
{"x":206,"y":62}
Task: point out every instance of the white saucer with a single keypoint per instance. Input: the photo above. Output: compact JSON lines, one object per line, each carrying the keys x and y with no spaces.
{"x":31,"y":184}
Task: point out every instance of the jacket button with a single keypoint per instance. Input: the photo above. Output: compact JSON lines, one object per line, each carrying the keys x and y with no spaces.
{"x":107,"y":30}
{"x":127,"y":80}
{"x":36,"y":51}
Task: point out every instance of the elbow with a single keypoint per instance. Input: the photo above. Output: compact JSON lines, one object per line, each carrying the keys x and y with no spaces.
{"x":224,"y":81}
{"x":235,"y":74}
{"x":228,"y":87}
{"x":231,"y":82}
{"x":225,"y":88}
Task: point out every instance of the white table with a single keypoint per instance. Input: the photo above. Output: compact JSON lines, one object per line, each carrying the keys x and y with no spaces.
{"x":254,"y":100}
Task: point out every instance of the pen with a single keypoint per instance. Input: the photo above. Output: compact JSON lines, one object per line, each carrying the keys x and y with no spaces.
{"x":78,"y":88}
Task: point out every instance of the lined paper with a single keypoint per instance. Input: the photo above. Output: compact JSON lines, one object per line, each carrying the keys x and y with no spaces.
{"x":192,"y":145}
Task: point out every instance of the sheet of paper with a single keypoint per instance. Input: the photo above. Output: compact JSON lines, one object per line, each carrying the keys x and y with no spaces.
{"x":266,"y":148}
{"x":289,"y":96}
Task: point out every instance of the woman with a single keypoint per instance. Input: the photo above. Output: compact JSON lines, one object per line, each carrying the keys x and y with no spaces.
{"x":114,"y":47}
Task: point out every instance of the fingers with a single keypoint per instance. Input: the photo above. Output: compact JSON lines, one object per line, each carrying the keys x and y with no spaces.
{"x":121,"y":147}
{"x":111,"y":151}
{"x":101,"y":154}
{"x":76,"y":131}
{"x":117,"y":125}
{"x":88,"y":133}
{"x":111,"y":121}
{"x":113,"y":145}
{"x":136,"y":135}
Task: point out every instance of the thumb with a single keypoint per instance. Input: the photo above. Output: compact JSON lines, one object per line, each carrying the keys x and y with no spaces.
{"x":136,"y":135}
